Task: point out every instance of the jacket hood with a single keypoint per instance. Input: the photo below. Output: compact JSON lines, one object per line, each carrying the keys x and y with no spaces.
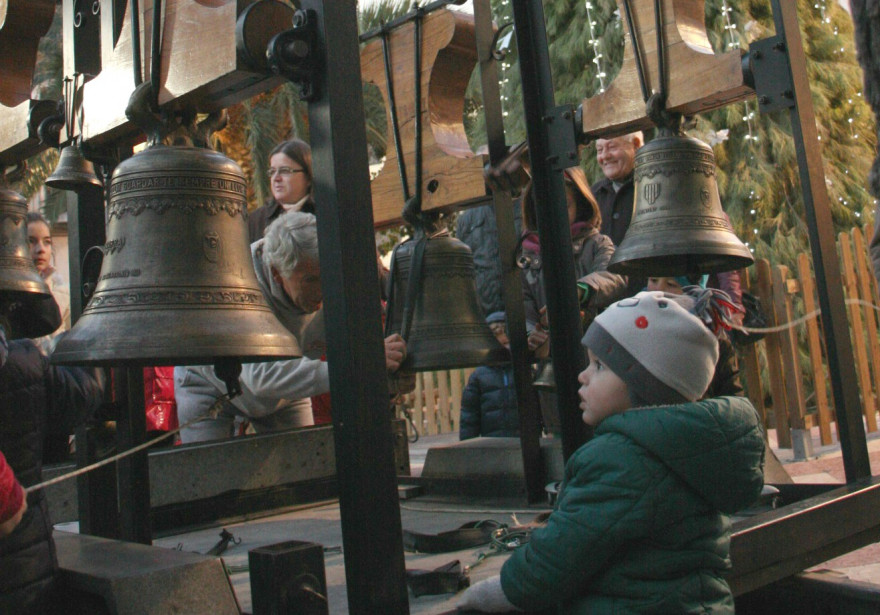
{"x":716,"y":446}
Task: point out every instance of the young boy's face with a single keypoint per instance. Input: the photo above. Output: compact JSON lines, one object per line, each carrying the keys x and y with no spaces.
{"x":667,"y":285}
{"x":602,"y":392}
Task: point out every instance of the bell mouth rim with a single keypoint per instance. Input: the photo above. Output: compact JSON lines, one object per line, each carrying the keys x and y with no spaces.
{"x":667,"y":265}
{"x":82,"y":358}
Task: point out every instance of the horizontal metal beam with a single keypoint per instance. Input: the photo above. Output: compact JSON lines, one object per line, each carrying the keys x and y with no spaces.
{"x":786,"y":541}
{"x":266,"y":464}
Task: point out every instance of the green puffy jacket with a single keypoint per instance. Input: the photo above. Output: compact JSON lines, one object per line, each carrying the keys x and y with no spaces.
{"x":641,"y":522}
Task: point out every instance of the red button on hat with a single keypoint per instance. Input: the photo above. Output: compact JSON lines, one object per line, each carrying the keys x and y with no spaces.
{"x":642,"y":322}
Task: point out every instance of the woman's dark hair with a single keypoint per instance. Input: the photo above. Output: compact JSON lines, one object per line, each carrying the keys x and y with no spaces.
{"x":298,"y":151}
{"x":35,"y":216}
{"x":587,"y":207}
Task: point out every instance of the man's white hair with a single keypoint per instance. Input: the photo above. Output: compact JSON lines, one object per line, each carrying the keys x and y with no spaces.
{"x":290,"y":240}
{"x":631,"y":137}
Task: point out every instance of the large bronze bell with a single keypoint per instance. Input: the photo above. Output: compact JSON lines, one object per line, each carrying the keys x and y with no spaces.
{"x":441,"y":319}
{"x":678,"y":226}
{"x":74,"y":172}
{"x":177,"y":284}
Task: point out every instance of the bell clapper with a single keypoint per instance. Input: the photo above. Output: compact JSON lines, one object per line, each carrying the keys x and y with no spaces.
{"x":228,"y":371}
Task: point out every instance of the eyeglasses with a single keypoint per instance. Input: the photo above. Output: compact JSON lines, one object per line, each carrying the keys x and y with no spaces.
{"x":282,"y":171}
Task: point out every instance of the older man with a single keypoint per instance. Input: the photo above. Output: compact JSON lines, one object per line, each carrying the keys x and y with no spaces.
{"x":275,"y":395}
{"x":615,"y":192}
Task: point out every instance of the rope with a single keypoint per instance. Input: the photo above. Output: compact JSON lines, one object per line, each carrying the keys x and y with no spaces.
{"x":212,"y":412}
{"x":798,"y":321}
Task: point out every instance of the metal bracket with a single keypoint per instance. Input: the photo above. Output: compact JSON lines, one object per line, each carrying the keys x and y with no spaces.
{"x":767,"y":69}
{"x":562,"y":137}
{"x":292,"y":53}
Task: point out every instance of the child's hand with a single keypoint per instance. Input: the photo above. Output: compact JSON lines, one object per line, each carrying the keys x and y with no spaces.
{"x":486,"y":597}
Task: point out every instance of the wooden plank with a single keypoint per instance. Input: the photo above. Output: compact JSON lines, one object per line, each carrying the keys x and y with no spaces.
{"x":457,"y":387}
{"x":698,"y":80}
{"x":452,"y":172}
{"x":865,"y":276}
{"x":751,"y":367}
{"x":792,"y":378}
{"x":200,"y":68}
{"x":857,"y":328}
{"x":419,"y":405}
{"x":814,"y":344}
{"x":430,"y":404}
{"x":443,"y":406}
{"x":774,"y":357}
{"x":22,"y":24}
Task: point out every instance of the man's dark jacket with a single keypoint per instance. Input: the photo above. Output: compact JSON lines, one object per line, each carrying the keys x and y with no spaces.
{"x":616,"y":207}
{"x":477,"y":228}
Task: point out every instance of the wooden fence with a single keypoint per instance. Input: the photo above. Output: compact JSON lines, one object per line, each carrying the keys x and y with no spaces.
{"x":439,"y":401}
{"x":794,"y":360}
{"x":785,"y":374}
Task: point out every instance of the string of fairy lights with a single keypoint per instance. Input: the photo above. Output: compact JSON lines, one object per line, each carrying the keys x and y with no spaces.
{"x":750,"y":109}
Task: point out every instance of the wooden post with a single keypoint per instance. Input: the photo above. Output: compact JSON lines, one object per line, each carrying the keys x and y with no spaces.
{"x":814,"y":344}
{"x":866,"y":278}
{"x":802,"y":443}
{"x":774,"y":363}
{"x":869,"y":406}
{"x":751,"y":367}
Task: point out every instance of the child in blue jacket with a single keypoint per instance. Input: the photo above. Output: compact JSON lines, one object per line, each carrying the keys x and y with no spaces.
{"x":641,"y":521}
{"x":488,"y":402}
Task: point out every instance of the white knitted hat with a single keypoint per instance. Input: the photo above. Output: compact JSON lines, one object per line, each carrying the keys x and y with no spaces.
{"x":663,"y":352}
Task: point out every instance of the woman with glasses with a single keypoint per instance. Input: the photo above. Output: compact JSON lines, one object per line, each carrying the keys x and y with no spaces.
{"x":290,"y":179}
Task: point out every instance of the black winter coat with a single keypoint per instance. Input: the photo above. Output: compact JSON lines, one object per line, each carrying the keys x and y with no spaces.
{"x":488,"y":404}
{"x":35,"y":398}
{"x":477,"y":228}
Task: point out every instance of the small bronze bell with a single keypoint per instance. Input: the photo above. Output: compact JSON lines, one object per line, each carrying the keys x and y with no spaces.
{"x":439,"y":317}
{"x":18,"y":275}
{"x":25,"y":300}
{"x":74,"y":172}
{"x":177,"y":283}
{"x":678,"y":225}
{"x":545,"y":379}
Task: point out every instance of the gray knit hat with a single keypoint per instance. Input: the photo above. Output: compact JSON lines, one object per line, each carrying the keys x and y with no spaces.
{"x":657,"y":346}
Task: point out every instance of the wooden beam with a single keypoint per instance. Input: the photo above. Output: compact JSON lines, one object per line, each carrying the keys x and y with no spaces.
{"x":698,"y":80}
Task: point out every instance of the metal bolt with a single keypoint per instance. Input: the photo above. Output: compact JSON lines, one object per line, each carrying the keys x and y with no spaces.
{"x":553,"y":159}
{"x":779,"y":46}
{"x":788,"y":94}
{"x":757,"y":55}
{"x":764,"y":100}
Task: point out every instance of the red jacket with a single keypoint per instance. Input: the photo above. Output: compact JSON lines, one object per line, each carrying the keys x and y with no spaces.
{"x":11,"y":493}
{"x":159,"y":398}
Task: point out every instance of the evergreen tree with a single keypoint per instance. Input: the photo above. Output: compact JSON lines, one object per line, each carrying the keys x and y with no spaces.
{"x":757,"y":169}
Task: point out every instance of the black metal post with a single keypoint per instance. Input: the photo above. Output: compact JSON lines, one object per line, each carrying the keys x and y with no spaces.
{"x":544,"y":122}
{"x":371,"y":527}
{"x":96,"y":491}
{"x":133,"y":472}
{"x":835,"y":324}
{"x":511,"y":283}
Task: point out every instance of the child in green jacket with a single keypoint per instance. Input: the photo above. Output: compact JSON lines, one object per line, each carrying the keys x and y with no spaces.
{"x":641,"y":521}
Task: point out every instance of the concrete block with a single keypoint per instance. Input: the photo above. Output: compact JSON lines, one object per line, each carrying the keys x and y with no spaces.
{"x":490,"y":457}
{"x":136,"y":579}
